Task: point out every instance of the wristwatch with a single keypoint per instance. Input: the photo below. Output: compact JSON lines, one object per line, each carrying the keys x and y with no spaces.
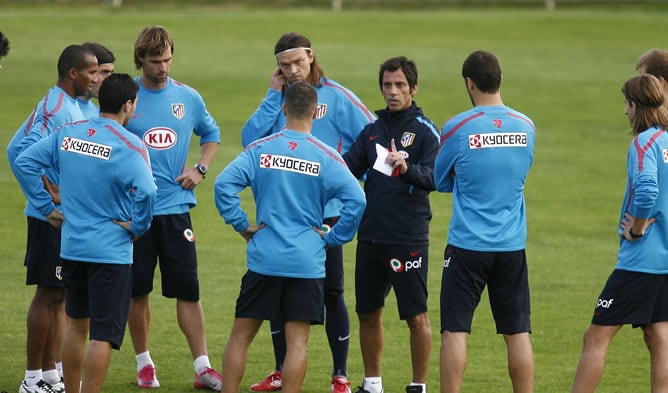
{"x":201,"y":169}
{"x":635,"y":235}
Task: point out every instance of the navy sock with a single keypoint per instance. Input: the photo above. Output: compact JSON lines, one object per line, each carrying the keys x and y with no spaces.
{"x":278,"y":339}
{"x":337,"y":325}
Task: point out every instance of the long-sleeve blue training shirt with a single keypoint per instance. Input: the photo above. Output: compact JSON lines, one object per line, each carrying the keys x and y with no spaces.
{"x":104,"y":176}
{"x":292,"y":176}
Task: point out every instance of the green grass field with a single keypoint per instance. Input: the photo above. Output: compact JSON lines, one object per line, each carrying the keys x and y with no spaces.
{"x":564,"y":69}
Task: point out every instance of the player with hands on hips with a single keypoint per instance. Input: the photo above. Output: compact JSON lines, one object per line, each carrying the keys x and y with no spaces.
{"x":340,"y":117}
{"x":107,"y":193}
{"x":635,"y":293}
{"x":291,"y":171}
{"x":46,"y":320}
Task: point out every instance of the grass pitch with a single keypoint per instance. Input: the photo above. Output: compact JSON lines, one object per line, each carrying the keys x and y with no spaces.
{"x":564,"y":69}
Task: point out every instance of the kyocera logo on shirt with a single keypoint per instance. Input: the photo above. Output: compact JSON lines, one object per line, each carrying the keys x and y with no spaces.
{"x":290,"y":164}
{"x":501,"y":139}
{"x":160,"y":138}
{"x":87,"y":148}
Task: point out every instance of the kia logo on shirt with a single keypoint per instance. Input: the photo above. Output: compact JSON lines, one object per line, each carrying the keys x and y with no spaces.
{"x":160,"y":138}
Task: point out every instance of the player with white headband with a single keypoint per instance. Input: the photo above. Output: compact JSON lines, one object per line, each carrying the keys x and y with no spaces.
{"x":340,"y":116}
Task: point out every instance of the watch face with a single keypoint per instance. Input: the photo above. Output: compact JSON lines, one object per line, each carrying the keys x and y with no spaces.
{"x":202,"y":169}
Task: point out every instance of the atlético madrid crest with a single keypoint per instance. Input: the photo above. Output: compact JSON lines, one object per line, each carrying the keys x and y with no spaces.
{"x":178,"y":110}
{"x":407,"y":139}
{"x":320,"y":111}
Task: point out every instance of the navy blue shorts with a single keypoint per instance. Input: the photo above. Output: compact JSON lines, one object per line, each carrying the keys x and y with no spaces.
{"x":280,"y":298}
{"x":632,"y":298}
{"x":101,"y":292}
{"x":333,"y":265}
{"x":43,"y":263}
{"x":171,"y":241}
{"x":465,"y":274}
{"x":380,"y":267}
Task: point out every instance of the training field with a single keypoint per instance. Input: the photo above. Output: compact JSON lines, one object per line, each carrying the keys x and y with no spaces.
{"x":564,"y":69}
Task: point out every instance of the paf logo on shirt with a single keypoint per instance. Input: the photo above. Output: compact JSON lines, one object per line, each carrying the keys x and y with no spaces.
{"x":178,"y":110}
{"x":160,"y":138}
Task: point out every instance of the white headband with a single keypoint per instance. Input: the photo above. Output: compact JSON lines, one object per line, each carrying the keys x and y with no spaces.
{"x":306,"y":48}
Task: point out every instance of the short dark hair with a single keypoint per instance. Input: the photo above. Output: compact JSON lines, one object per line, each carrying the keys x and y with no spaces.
{"x":408,"y":67}
{"x":74,"y":56}
{"x":115,"y":91}
{"x":4,"y":45}
{"x":300,"y":100}
{"x":483,"y":68}
{"x":103,"y":54}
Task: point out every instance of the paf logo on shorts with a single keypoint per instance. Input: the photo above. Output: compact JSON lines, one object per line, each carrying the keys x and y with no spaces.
{"x":178,"y":110}
{"x":604,"y":303}
{"x":59,"y":273}
{"x":189,"y":235}
{"x":320,"y":111}
{"x":160,"y":138}
{"x":665,"y":156}
{"x":398,"y":266}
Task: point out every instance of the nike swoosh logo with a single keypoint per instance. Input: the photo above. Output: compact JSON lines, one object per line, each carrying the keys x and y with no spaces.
{"x":373,"y":137}
{"x":414,"y":253}
{"x":343,"y":338}
{"x":272,"y":332}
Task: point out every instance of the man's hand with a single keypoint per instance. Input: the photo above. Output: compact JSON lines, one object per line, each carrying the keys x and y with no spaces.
{"x":55,"y":218}
{"x":190,"y":178}
{"x":250,"y":231}
{"x":278,"y":81}
{"x":126,"y":226}
{"x":52,"y":189}
{"x":641,"y":225}
{"x":396,"y":160}
{"x":322,"y":231}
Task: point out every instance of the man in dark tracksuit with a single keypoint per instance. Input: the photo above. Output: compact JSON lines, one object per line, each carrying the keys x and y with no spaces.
{"x":397,"y":154}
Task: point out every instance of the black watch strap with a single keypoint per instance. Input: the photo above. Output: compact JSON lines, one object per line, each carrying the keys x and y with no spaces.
{"x":201,"y":169}
{"x":634,"y":235}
